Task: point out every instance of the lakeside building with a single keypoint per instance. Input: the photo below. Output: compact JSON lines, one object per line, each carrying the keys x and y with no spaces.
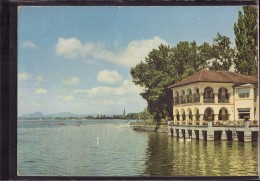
{"x":216,"y":105}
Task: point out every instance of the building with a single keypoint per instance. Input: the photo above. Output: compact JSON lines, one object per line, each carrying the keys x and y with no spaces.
{"x":216,"y":99}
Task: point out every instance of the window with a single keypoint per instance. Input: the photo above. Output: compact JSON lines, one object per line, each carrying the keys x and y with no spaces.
{"x":243,"y":112}
{"x":243,"y":92}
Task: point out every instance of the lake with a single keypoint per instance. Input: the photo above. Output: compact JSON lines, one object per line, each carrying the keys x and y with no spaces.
{"x":112,"y":148}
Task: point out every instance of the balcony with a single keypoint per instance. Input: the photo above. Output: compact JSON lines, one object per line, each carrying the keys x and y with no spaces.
{"x":176,"y":100}
{"x":189,"y":99}
{"x":182,"y":100}
{"x":208,"y":100}
{"x":196,"y":98}
{"x":223,"y":99}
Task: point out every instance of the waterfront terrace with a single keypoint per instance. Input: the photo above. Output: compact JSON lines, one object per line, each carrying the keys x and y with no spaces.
{"x":216,"y":105}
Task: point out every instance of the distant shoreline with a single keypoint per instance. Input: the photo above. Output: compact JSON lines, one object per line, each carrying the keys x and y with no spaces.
{"x":74,"y":118}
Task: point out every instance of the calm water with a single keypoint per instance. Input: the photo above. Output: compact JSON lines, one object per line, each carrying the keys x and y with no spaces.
{"x":112,"y":148}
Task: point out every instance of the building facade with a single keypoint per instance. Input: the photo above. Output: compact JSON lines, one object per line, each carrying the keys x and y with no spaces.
{"x":219,"y":97}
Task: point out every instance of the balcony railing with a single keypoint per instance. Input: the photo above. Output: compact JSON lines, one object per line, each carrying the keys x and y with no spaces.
{"x":182,"y":100}
{"x":189,"y":99}
{"x":208,"y":100}
{"x":176,"y":100}
{"x":223,"y":100}
{"x":196,"y":98}
{"x":217,"y":123}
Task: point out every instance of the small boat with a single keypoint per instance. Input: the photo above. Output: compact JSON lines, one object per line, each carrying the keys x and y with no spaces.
{"x":61,"y":124}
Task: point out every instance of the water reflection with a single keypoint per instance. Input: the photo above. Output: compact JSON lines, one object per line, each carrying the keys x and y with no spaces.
{"x":169,"y":156}
{"x":102,"y":148}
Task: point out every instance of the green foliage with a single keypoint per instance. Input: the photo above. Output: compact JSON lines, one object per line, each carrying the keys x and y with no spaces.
{"x":246,"y":60}
{"x":163,"y":67}
{"x":167,"y":65}
{"x":145,"y":115}
{"x":221,"y":53}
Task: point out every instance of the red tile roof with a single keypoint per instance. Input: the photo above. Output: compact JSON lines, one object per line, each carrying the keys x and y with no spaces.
{"x":217,"y":76}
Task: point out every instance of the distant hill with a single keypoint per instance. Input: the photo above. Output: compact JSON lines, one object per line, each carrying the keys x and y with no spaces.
{"x":41,"y":115}
{"x":55,"y":115}
{"x":33,"y":115}
{"x":62,"y":114}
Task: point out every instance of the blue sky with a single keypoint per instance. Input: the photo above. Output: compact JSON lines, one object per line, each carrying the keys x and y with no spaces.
{"x":77,"y":59}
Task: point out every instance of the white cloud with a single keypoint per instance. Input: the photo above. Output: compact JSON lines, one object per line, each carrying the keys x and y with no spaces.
{"x":40,"y":91}
{"x":23,"y":76}
{"x":29,"y":44}
{"x":109,"y":76}
{"x":69,"y":48}
{"x":135,"y":51}
{"x":66,"y":98}
{"x":126,"y":89}
{"x":103,"y":97}
{"x":71,"y":81}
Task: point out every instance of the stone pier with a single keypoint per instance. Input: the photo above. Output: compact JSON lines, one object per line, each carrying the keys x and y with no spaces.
{"x":210,"y":132}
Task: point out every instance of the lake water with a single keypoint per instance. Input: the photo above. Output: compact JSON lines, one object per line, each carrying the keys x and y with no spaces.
{"x":112,"y":148}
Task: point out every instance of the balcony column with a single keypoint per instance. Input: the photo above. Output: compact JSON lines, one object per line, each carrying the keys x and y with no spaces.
{"x":201,"y":98}
{"x":215,"y":117}
{"x":215,"y":97}
{"x":193,"y":119}
{"x":174,"y":119}
{"x":181,"y":118}
{"x":192,"y":98}
{"x":187,"y":119}
{"x":201,"y":119}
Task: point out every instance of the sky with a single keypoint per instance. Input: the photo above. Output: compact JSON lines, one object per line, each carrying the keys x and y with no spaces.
{"x":78,"y":59}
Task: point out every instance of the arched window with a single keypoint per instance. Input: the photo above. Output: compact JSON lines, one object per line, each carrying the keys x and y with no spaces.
{"x":182,"y":97}
{"x":183,"y":115}
{"x":196,"y":95}
{"x":208,"y":114}
{"x":176,"y":99}
{"x":189,"y":96}
{"x":223,"y":114}
{"x":177,"y":114}
{"x":223,"y":96}
{"x":190,"y":114}
{"x":197,"y":114}
{"x":208,"y":95}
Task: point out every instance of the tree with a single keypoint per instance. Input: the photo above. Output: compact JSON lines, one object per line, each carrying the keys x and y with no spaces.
{"x":163,"y":67}
{"x":245,"y":29}
{"x":154,"y":75}
{"x":221,"y":53}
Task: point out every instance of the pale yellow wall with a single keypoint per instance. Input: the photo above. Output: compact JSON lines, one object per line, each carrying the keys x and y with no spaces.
{"x":246,"y":102}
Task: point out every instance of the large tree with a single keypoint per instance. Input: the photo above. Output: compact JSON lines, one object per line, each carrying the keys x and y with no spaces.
{"x":246,"y":60}
{"x":154,"y":75}
{"x":163,"y":67}
{"x":222,"y":53}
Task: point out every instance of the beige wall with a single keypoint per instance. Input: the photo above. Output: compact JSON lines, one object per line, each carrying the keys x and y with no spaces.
{"x":246,"y":102}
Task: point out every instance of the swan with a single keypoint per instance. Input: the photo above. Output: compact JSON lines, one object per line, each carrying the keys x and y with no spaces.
{"x":97,"y":141}
{"x":181,"y":140}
